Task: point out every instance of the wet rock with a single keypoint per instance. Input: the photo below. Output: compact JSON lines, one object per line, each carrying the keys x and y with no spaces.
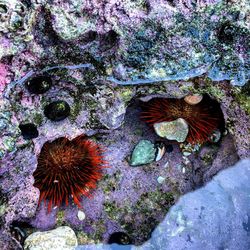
{"x":113,"y":116}
{"x":143,"y":153}
{"x":57,"y":239}
{"x":174,"y":130}
{"x":57,"y":111}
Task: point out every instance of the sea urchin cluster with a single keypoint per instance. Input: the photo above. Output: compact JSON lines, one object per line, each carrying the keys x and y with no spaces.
{"x":202,"y":118}
{"x":68,"y":169}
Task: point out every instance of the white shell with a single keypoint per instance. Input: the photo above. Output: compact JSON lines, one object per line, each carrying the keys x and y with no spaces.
{"x":160,"y":179}
{"x":81,"y":215}
{"x":193,"y":99}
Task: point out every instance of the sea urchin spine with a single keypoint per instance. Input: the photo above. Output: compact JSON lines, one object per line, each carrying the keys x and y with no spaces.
{"x":68,"y":169}
{"x":202,"y":118}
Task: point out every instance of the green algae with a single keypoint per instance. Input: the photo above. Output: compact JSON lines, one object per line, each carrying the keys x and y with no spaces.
{"x":60,"y":218}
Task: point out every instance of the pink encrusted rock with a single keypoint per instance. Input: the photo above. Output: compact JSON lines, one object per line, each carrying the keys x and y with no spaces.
{"x":23,"y":204}
{"x":3,"y":75}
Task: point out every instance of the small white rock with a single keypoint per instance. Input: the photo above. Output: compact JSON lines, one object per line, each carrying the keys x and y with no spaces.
{"x":160,"y":179}
{"x":186,"y":153}
{"x":60,"y":238}
{"x":81,"y":215}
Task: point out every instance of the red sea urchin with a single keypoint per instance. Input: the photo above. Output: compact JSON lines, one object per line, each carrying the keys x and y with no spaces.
{"x":68,"y":169}
{"x":202,"y":118}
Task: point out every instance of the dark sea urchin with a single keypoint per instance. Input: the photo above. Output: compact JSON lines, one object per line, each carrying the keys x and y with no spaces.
{"x":202,"y":118}
{"x":68,"y":169}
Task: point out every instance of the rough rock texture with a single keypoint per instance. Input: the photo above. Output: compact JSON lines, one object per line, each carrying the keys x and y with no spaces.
{"x":57,"y":239}
{"x":104,"y":58}
{"x":213,"y":217}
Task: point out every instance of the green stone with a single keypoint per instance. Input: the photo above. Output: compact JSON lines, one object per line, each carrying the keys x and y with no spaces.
{"x":143,"y":153}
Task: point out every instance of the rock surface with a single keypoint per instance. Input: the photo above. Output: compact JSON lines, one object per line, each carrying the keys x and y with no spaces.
{"x":61,"y":238}
{"x":217,"y":216}
{"x":103,"y":58}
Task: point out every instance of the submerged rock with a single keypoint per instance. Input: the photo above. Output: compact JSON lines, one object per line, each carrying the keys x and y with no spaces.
{"x":57,"y":239}
{"x":143,"y":153}
{"x":175,"y":130}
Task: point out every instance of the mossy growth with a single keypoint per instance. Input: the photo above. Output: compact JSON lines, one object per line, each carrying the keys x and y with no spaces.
{"x":84,"y":239}
{"x":38,"y":119}
{"x":112,"y":210}
{"x":100,"y":229}
{"x":60,"y":218}
{"x":150,"y":209}
{"x":242,"y":96}
{"x":75,"y":109}
{"x":206,"y":86}
{"x":126,"y":94}
{"x":111,"y":183}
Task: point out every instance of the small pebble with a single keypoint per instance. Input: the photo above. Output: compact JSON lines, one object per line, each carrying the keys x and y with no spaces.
{"x":28,"y":131}
{"x":143,"y":153}
{"x":39,"y":85}
{"x":183,"y":170}
{"x":160,"y":179}
{"x":81,"y":215}
{"x":174,"y":130}
{"x":193,"y":99}
{"x":186,"y":153}
{"x":57,"y":110}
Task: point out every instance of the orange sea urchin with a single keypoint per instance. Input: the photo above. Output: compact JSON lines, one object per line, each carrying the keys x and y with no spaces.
{"x":68,"y":169}
{"x":202,"y":118}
